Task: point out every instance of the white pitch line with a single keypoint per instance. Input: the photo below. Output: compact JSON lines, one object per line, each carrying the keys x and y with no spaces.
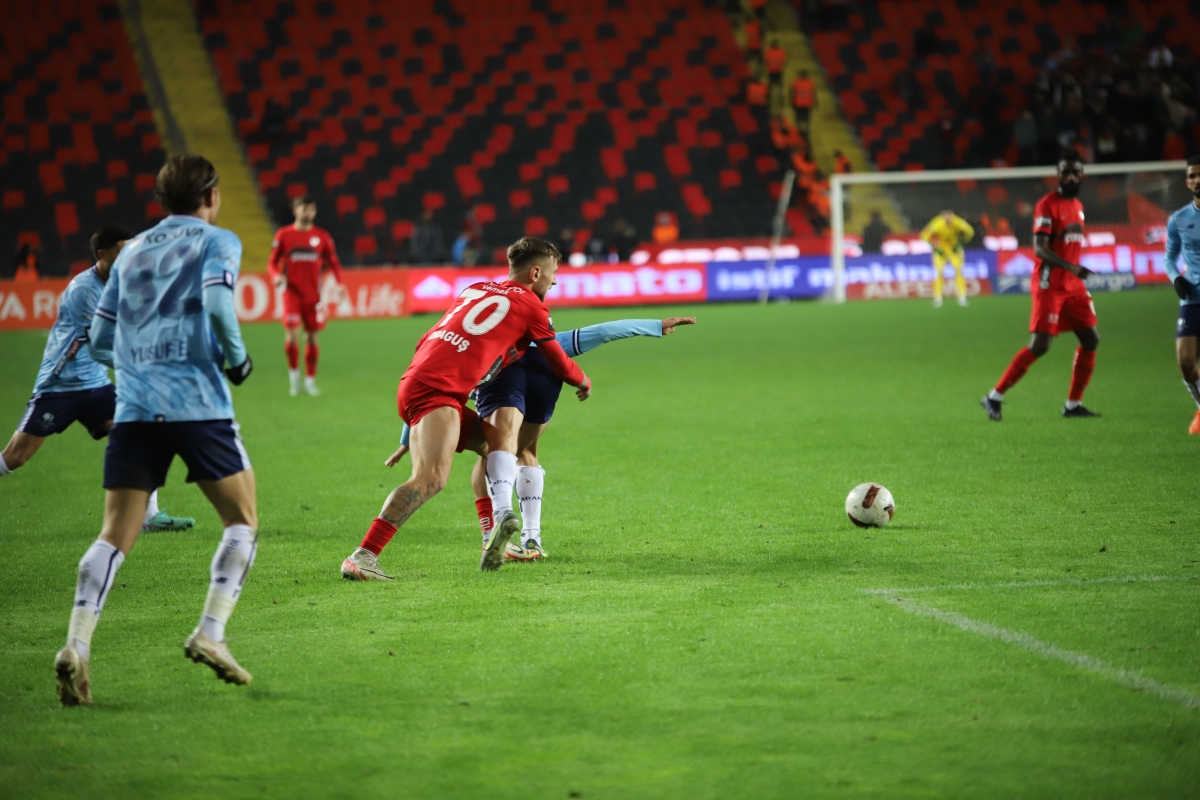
{"x":1026,"y":584}
{"x":1126,"y":678}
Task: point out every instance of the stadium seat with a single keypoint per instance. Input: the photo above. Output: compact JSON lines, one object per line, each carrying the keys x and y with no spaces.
{"x":536,"y":226}
{"x":644,"y":105}
{"x":346,"y":204}
{"x":374,"y":218}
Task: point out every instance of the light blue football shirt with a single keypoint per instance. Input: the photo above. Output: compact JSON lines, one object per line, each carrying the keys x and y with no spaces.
{"x":165,"y":352}
{"x":1183,"y":240}
{"x":67,"y":366}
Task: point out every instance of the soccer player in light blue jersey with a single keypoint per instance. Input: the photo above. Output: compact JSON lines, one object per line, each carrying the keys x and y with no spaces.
{"x":1183,"y":241}
{"x":73,"y":387}
{"x":521,"y":398}
{"x":166,"y":322}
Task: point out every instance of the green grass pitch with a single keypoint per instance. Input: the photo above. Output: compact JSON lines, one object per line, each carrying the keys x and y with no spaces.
{"x":700,"y":629}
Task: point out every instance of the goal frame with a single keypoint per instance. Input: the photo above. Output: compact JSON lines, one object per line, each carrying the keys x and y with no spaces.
{"x":839,"y":181}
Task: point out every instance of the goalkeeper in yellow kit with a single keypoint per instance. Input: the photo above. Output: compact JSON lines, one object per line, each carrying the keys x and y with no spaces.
{"x":948,"y":232}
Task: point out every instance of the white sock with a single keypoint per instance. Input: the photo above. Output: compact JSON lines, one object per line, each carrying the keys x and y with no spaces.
{"x":97,"y":569}
{"x":294,"y":375}
{"x":1073,"y":404}
{"x":530,"y":481}
{"x":230,"y":564}
{"x":997,"y":396}
{"x":151,"y":507}
{"x":309,"y":380}
{"x":501,"y":475}
{"x":1193,"y":390}
{"x":4,"y":470}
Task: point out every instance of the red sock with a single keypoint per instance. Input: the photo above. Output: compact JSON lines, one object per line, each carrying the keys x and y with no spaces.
{"x":1021,"y":363}
{"x":293,"y":354}
{"x":1081,"y":372}
{"x":311,"y":353}
{"x":483,"y":507}
{"x":378,"y":535}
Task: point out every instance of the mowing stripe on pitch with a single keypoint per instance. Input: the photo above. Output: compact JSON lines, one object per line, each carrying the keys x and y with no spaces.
{"x":1126,"y":678}
{"x":1029,"y":584}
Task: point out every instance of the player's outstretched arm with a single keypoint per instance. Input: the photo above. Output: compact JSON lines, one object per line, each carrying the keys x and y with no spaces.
{"x":582,"y":340}
{"x":1041,"y":248}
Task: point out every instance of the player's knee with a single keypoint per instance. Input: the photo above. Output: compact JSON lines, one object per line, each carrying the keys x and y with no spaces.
{"x":1039,"y":347}
{"x":1089,"y":340}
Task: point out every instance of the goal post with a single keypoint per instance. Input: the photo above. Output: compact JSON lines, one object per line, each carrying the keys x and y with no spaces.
{"x":1125,"y":205}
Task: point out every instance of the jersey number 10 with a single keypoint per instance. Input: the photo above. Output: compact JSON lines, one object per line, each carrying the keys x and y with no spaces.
{"x":498,"y":303}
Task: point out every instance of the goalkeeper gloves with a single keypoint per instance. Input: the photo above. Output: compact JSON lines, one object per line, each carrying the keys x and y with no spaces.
{"x":1183,"y":288}
{"x":239,"y":373}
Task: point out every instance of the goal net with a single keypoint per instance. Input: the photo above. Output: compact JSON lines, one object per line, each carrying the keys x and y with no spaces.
{"x":877,"y":218}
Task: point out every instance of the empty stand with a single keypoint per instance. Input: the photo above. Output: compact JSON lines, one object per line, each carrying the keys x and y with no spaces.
{"x":551,"y":114}
{"x":80,"y":147}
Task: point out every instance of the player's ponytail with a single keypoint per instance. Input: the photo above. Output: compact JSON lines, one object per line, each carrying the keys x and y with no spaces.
{"x":183,"y":182}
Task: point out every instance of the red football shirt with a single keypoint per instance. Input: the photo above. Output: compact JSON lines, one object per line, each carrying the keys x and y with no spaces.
{"x":300,"y":255}
{"x":489,"y":326}
{"x":1061,"y":218}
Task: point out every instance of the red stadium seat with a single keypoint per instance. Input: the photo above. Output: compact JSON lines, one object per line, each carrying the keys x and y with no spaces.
{"x":105,"y":197}
{"x":432,"y":201}
{"x":14,"y":198}
{"x":66,"y":219}
{"x":645,"y":182}
{"x":401,"y":229}
{"x":536,"y":226}
{"x":592,"y":210}
{"x":365,"y":246}
{"x":374,"y":217}
{"x":557,"y":184}
{"x":519,"y":198}
{"x":729,"y":178}
{"x":345,"y":204}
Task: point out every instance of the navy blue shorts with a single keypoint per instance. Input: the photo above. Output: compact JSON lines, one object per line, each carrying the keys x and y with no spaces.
{"x":53,"y":412}
{"x":140,"y":453}
{"x":1189,"y":321}
{"x":528,"y":384}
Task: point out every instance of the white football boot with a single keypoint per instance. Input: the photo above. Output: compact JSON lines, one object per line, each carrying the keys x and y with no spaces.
{"x":962,"y":301}
{"x":493,"y":555}
{"x":217,"y":656}
{"x":310,"y":386}
{"x":71,"y":669}
{"x":363,"y":565}
{"x":937,"y":301}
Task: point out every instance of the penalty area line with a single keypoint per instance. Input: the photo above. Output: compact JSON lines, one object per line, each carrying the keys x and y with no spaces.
{"x":1030,"y":584}
{"x":1123,"y":677}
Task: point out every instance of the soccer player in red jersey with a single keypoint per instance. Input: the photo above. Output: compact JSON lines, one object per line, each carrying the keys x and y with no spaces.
{"x":490,"y":326}
{"x":300,"y":252}
{"x":1060,"y":299}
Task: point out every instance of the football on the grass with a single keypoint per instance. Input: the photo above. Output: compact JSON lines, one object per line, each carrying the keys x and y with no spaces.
{"x":870,"y":505}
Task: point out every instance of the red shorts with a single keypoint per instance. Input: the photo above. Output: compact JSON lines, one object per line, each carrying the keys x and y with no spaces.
{"x":1055,"y":312}
{"x":415,"y":399}
{"x":297,"y":312}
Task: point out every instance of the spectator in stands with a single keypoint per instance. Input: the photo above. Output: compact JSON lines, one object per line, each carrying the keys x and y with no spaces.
{"x":1106,"y":147}
{"x":804,"y":98}
{"x":473,"y":227}
{"x":426,"y":245}
{"x":759,"y":7}
{"x":596,"y":248}
{"x":25,"y":266}
{"x":753,"y":30}
{"x":874,"y":233}
{"x":462,"y":254}
{"x":776,"y":60}
{"x":665,"y":229}
{"x":841,"y":163}
{"x":1025,"y":135}
{"x":274,"y":119}
{"x":624,"y":240}
{"x":566,"y":242}
{"x":757,"y":93}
